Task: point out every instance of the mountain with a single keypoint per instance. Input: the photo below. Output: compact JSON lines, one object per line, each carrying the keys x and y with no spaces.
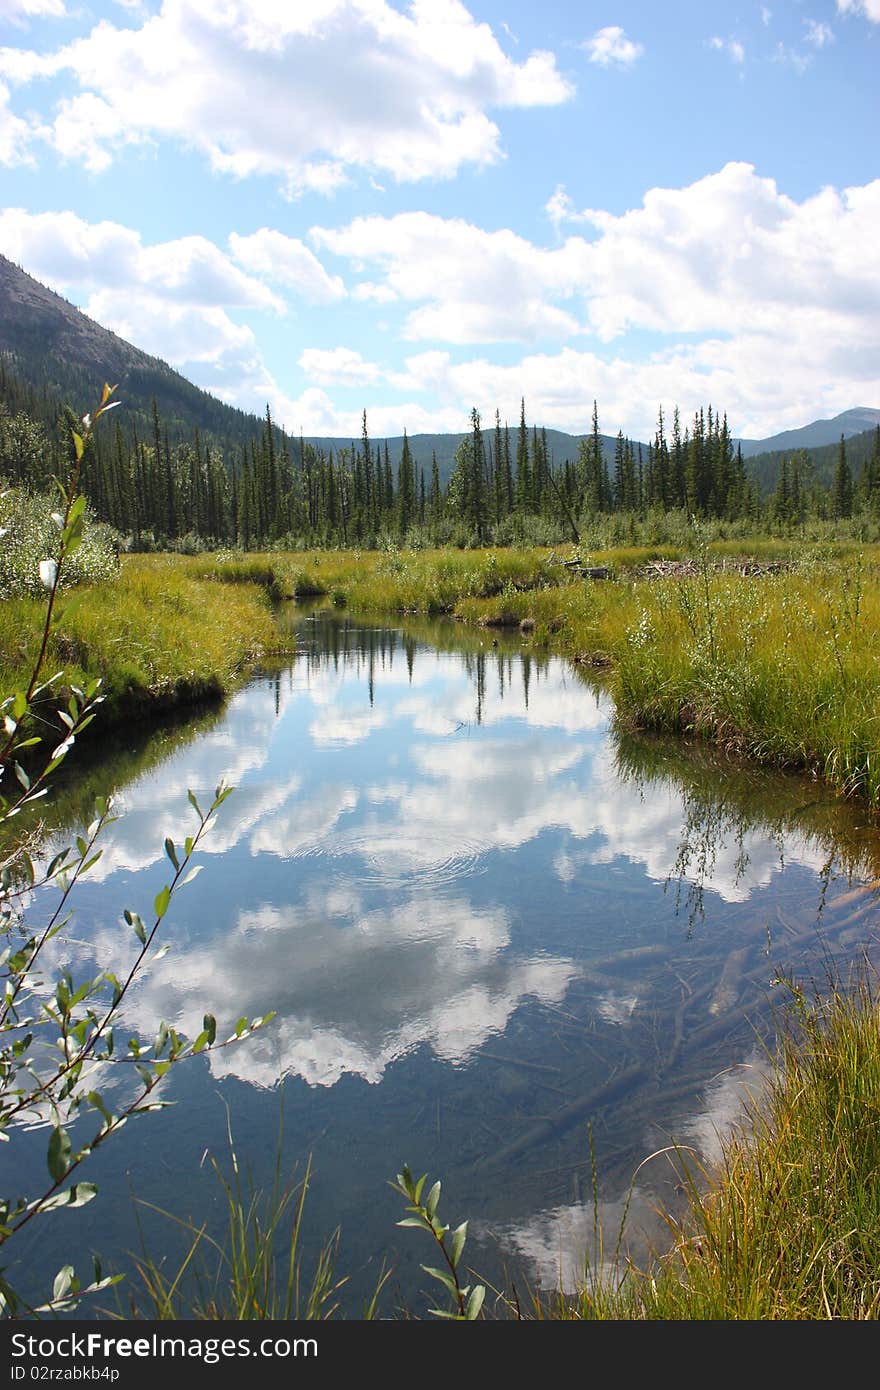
{"x":821,"y":461}
{"x":813,"y":436}
{"x":424,"y":447}
{"x":65,"y":356}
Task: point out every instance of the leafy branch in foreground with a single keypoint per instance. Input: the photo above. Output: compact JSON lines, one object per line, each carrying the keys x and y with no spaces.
{"x":467,"y":1301}
{"x":58,"y":1035}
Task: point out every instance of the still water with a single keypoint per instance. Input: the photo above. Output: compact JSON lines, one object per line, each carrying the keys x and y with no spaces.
{"x":489,"y":928}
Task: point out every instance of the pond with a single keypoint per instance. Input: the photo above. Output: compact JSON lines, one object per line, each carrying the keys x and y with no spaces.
{"x":503,"y":943}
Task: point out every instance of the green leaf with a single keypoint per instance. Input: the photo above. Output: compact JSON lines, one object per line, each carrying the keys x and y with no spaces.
{"x":171,"y":852}
{"x":195,"y":805}
{"x":445,"y":1279}
{"x":63,"y":1281}
{"x":201,"y":1042}
{"x":432,"y":1199}
{"x":75,"y":1196}
{"x":209,"y":1024}
{"x":95,"y":1099}
{"x":161,"y":901}
{"x":58,"y":1156}
{"x":139,"y":928}
{"x":458,"y":1238}
{"x":475,"y":1303}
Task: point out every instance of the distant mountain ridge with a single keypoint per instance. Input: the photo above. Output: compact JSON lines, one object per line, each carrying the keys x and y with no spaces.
{"x":63,"y":354}
{"x":813,"y":436}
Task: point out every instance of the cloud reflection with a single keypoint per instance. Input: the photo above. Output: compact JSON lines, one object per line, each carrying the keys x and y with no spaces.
{"x":352,"y":996}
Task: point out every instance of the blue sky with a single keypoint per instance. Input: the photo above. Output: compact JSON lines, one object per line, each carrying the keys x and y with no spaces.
{"x":415,"y":208}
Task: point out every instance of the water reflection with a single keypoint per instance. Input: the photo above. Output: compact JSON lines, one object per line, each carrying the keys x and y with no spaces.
{"x":484,"y":923}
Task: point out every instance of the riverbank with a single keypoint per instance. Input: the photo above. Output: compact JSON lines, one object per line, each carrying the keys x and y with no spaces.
{"x":766,"y":649}
{"x":788,"y":1226}
{"x":159,"y":634}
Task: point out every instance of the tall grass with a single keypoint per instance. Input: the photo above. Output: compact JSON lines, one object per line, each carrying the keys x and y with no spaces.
{"x":781,"y":666}
{"x":255,"y":1272}
{"x":789,"y":1228}
{"x":156,"y":634}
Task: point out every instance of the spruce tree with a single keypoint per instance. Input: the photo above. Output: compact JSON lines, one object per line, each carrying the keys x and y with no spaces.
{"x":842,"y":486}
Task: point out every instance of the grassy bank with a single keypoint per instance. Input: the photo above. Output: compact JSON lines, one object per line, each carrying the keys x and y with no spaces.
{"x":789,"y":1227}
{"x":161,"y":632}
{"x":780,"y":665}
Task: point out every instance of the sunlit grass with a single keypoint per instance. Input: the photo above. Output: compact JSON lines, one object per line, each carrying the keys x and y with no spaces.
{"x":155,"y":634}
{"x":784,"y":667}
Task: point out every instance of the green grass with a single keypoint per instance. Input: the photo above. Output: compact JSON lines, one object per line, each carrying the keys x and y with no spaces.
{"x":160,"y":633}
{"x":789,"y":1227}
{"x":783,"y":667}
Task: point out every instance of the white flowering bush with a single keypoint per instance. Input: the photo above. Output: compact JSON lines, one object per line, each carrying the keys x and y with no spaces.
{"x":29,"y":532}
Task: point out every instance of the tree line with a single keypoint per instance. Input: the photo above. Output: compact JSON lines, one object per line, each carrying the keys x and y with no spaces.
{"x":274,"y":489}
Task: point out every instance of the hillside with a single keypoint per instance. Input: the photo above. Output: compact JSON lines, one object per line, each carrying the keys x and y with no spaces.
{"x":64,"y":356}
{"x":764,"y":467}
{"x":816,"y":435}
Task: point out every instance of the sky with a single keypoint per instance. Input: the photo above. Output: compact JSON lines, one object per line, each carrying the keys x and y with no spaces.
{"x":417,"y":207}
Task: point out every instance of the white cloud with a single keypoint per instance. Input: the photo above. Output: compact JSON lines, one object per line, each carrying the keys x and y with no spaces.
{"x":818,"y":34}
{"x":305,"y":93}
{"x":15,"y":134}
{"x":611,"y":46}
{"x":339,"y":366}
{"x":792,"y":57}
{"x":287,"y":261}
{"x":782,"y":294}
{"x":869,"y":8}
{"x":177,"y":333}
{"x":559,"y":207}
{"x":366,"y":291}
{"x":732,"y":47}
{"x":479,"y":286}
{"x":191,"y":271}
{"x":19,"y":11}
